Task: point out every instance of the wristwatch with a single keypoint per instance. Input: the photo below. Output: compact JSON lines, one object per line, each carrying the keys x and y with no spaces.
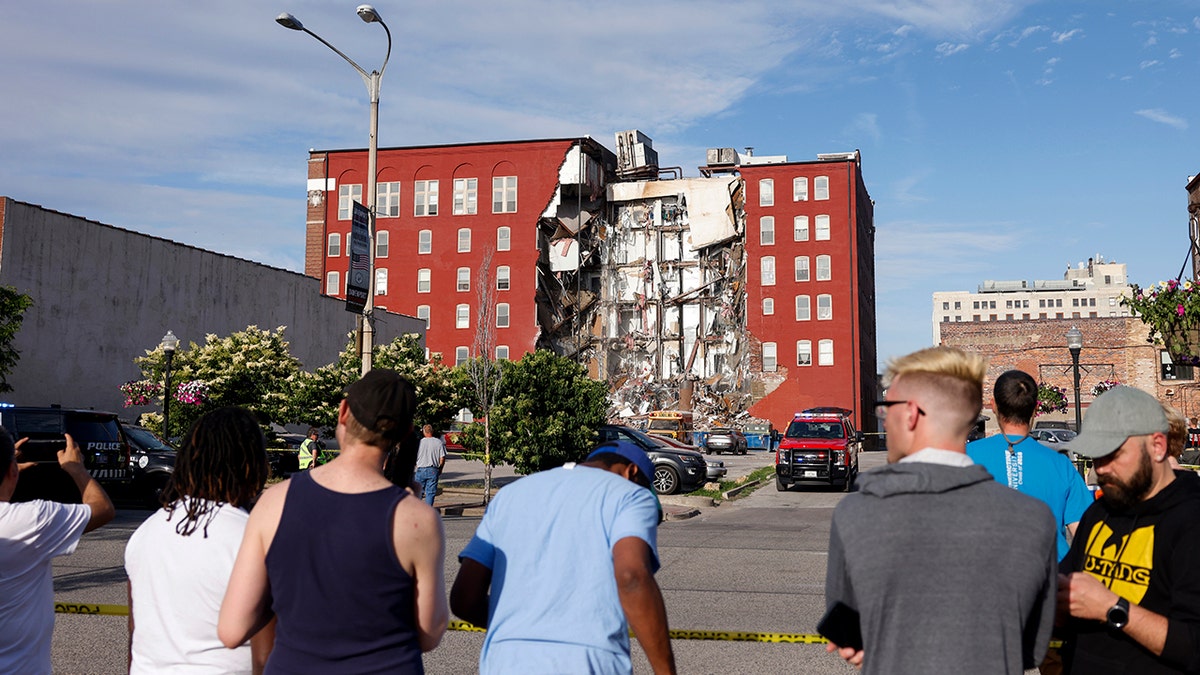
{"x":1118,"y":614}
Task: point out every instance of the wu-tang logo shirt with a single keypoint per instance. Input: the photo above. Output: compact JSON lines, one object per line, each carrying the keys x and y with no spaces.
{"x":1121,"y":562}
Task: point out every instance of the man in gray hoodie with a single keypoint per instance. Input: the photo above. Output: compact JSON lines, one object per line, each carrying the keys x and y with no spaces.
{"x":950,"y":571}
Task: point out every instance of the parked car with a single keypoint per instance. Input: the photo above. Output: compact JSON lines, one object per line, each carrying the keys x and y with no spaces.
{"x":725,"y":439}
{"x":716,"y":468}
{"x":153,"y":461}
{"x":1054,"y":438}
{"x":675,"y":469}
{"x":98,"y":435}
{"x":1053,"y":424}
{"x":818,"y":447}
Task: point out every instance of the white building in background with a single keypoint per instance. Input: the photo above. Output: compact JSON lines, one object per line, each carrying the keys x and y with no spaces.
{"x":1089,"y":290}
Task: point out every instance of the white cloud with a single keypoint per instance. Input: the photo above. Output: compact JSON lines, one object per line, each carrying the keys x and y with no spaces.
{"x":1051,"y":61}
{"x":1060,"y":38}
{"x":864,"y":124}
{"x":1163,"y":117}
{"x":1148,"y":64}
{"x":1174,"y":54}
{"x":946,"y":49}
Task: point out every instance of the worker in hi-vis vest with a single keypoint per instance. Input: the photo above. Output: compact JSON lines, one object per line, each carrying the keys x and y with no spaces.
{"x":310,"y":449}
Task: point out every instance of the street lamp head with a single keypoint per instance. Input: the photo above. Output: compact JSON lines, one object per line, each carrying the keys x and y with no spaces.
{"x":170,"y":342}
{"x":288,"y":21}
{"x":368,"y":14}
{"x":1074,"y":339}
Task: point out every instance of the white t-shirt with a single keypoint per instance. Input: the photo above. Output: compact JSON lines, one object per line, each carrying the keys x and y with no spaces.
{"x":31,"y":535}
{"x":177,"y":585}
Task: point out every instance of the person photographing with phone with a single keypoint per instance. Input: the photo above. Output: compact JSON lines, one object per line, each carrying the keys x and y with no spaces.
{"x":32,"y":534}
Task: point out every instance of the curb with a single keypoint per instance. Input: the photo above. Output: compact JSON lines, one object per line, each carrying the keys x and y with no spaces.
{"x":730,"y":494}
{"x":686,"y":500}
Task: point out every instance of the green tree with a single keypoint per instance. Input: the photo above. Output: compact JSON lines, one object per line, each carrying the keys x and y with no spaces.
{"x":544,"y":415}
{"x":12,"y":312}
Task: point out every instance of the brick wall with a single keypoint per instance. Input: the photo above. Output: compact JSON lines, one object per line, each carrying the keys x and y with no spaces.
{"x":1113,"y":348}
{"x":314,"y":230}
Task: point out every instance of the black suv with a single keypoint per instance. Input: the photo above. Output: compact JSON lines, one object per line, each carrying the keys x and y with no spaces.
{"x":98,"y":434}
{"x":675,"y":469}
{"x":152,"y":460}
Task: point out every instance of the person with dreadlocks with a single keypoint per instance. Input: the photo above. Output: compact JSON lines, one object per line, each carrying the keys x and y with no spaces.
{"x":179,"y":560}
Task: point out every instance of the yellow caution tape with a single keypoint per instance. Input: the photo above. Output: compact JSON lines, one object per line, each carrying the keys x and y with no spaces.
{"x":728,"y":636}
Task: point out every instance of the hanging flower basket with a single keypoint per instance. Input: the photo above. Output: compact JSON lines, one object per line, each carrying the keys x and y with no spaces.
{"x":140,"y":392}
{"x":192,"y":392}
{"x":1172,"y":311}
{"x":1051,"y":399}
{"x":1103,"y":386}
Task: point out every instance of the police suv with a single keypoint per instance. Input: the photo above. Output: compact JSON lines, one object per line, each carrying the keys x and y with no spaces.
{"x":98,"y":435}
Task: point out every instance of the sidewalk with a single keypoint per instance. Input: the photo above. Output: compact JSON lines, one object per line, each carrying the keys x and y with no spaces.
{"x":467,"y":500}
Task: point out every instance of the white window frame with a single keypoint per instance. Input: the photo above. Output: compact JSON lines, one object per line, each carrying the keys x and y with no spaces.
{"x":423,"y":313}
{"x":333,"y":283}
{"x":461,"y":355}
{"x":387,"y":200}
{"x":347,"y":195}
{"x":824,"y":268}
{"x":768,"y":306}
{"x":766,"y":266}
{"x":766,"y":192}
{"x":424,"y":281}
{"x":425,"y":242}
{"x":382,"y":239}
{"x":804,"y":353}
{"x":824,"y":307}
{"x":381,"y":279}
{"x":463,"y":282}
{"x":821,"y":228}
{"x":821,"y":188}
{"x":503,"y":278}
{"x":800,"y":189}
{"x":333,"y":245}
{"x":803,"y":271}
{"x":803,"y":308}
{"x":770,"y":357}
{"x":466,"y":196}
{"x":464,"y":240}
{"x":501,"y":352}
{"x":800,"y":228}
{"x":504,"y":194}
{"x":503,"y":315}
{"x":462,"y":316}
{"x":825,"y":353}
{"x":766,"y":231}
{"x":425,"y":198}
{"x":503,"y":238}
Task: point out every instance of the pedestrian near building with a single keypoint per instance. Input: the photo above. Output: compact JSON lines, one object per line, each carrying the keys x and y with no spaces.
{"x":562,"y":566}
{"x":311,"y":450}
{"x":950,"y":571}
{"x":1130,"y":594}
{"x":431,"y":459}
{"x":350,"y":565}
{"x":32,"y":534}
{"x":180,"y":558}
{"x":1019,"y":461}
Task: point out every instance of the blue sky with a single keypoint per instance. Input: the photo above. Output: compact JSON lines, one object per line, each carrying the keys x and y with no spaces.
{"x":1000,"y":140}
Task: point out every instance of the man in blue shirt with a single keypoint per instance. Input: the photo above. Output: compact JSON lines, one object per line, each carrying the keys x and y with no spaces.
{"x":562,"y":566}
{"x":1013,"y":458}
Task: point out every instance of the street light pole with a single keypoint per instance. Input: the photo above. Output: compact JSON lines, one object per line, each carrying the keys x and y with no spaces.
{"x":169,"y":343}
{"x":1075,"y":344}
{"x":373,"y":79}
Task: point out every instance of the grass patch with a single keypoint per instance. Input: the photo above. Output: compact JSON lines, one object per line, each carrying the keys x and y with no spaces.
{"x":726,"y":485}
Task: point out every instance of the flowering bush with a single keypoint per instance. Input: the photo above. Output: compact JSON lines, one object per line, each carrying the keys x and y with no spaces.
{"x":140,"y":392}
{"x":1172,"y":311}
{"x":192,"y":392}
{"x":1051,"y":399}
{"x":1103,"y":386}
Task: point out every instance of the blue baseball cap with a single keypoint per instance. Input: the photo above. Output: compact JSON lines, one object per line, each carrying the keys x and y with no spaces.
{"x":629,"y":451}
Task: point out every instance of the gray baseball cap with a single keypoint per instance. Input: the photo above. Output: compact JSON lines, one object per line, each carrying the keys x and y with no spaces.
{"x":1116,"y":415}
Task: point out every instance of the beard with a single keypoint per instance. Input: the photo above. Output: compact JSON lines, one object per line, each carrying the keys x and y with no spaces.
{"x":1124,"y":494}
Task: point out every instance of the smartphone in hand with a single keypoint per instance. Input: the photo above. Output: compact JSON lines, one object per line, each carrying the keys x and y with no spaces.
{"x":840,"y":625}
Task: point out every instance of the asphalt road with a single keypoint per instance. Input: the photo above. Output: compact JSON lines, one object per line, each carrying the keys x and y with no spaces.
{"x":755,"y":564}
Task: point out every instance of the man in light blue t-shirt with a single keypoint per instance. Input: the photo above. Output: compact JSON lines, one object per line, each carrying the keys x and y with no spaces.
{"x":1013,"y":458}
{"x":562,"y":565}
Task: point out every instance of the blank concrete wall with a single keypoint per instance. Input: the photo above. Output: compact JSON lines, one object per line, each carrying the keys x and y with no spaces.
{"x":103,"y":295}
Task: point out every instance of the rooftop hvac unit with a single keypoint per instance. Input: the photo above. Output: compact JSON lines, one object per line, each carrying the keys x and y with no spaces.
{"x":634,"y":150}
{"x":722,"y":157}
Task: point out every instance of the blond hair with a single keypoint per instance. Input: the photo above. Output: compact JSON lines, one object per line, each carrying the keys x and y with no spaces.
{"x":1177,"y":432}
{"x":950,"y":380}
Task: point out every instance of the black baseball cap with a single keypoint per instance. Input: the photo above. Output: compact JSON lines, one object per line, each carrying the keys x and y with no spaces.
{"x":383,"y":402}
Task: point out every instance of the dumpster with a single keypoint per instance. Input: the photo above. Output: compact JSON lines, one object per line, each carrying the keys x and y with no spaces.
{"x":758,"y":435}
